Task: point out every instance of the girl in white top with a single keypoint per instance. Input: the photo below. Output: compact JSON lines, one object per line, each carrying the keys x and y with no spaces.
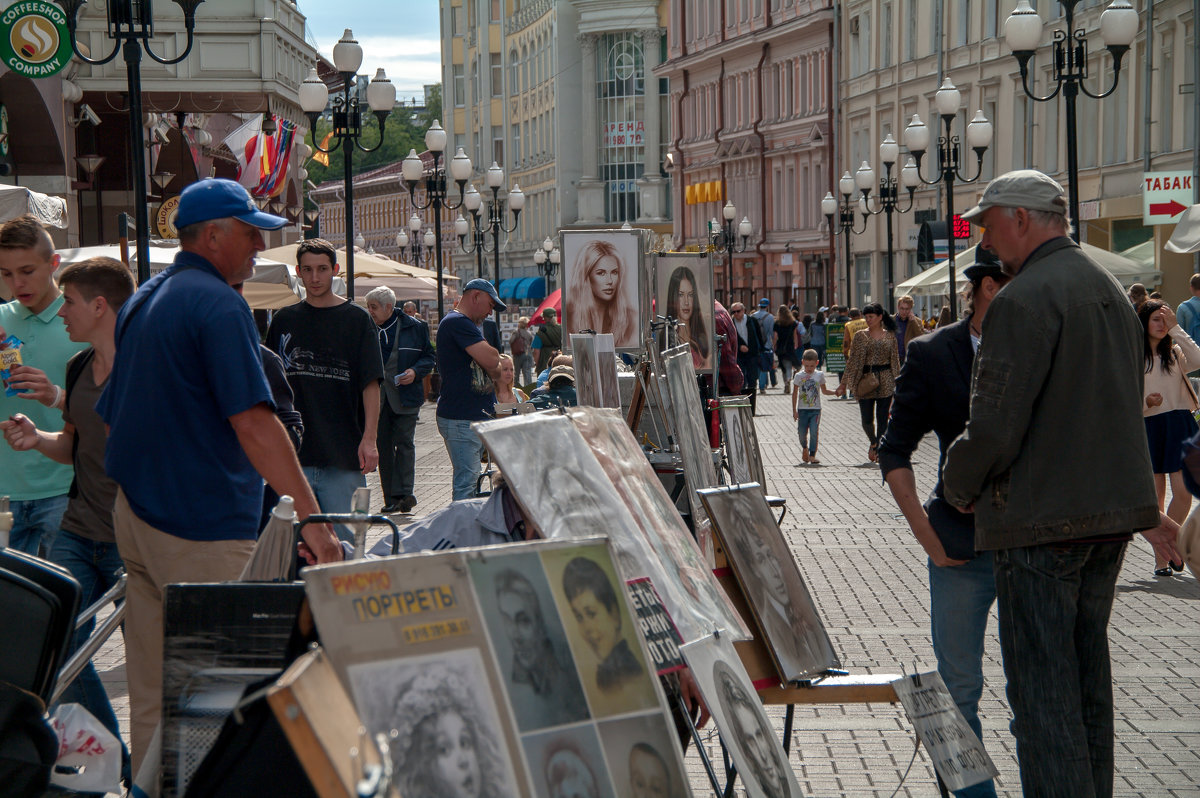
{"x":1168,"y":407}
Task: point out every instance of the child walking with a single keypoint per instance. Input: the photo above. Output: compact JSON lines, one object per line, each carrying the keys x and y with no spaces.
{"x":807,"y":386}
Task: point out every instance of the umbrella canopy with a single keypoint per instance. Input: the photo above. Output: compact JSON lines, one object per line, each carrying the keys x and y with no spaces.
{"x":935,"y":281}
{"x":17,"y":201}
{"x":552,"y":301}
{"x":405,"y":288}
{"x":1186,"y":237}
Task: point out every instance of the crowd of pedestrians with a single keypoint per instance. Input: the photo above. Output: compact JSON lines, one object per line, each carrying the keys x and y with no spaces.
{"x":145,"y":406}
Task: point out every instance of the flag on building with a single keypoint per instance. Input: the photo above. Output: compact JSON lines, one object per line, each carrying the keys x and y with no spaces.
{"x":246,"y":144}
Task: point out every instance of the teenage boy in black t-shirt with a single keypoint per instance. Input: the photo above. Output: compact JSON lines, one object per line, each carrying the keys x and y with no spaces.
{"x":331,"y":351}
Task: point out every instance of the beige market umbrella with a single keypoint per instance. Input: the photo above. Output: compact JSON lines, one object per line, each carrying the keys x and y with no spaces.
{"x":405,"y":288}
{"x":1186,"y":237}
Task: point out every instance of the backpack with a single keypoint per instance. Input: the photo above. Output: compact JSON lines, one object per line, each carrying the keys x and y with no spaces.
{"x":517,"y":344}
{"x":1192,"y":328}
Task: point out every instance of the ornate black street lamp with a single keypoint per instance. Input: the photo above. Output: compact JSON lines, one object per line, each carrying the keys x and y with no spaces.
{"x":462,"y":228}
{"x":547,"y":258}
{"x":347,"y":122}
{"x":723,"y":241}
{"x":131,"y":26}
{"x":493,"y":223}
{"x":845,"y":213}
{"x":420,"y":245}
{"x":887,"y":201}
{"x":1023,"y":32}
{"x":435,"y":189}
{"x":979,"y":137}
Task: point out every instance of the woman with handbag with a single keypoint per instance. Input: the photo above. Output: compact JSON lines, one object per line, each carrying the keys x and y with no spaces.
{"x":872,"y":370}
{"x":1168,"y":407}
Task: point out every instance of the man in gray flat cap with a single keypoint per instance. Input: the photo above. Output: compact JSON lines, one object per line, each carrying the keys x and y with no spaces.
{"x":1055,"y":465}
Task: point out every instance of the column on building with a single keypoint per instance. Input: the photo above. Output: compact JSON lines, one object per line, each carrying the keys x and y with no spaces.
{"x":652,"y":186}
{"x":591,"y":187}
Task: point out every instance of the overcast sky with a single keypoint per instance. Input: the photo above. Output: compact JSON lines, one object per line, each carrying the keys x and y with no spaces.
{"x":401,"y":36}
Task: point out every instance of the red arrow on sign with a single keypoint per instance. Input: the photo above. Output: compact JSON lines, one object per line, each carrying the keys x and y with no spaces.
{"x":1172,"y":208}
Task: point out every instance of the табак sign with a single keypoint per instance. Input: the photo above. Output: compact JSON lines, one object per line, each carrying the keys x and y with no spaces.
{"x":1165,"y":195}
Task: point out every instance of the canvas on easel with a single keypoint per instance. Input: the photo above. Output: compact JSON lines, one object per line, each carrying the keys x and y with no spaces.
{"x":768,"y":575}
{"x":600,"y":284}
{"x":687,"y":412}
{"x":683,"y":294}
{"x":741,"y":440}
{"x":761,"y":762}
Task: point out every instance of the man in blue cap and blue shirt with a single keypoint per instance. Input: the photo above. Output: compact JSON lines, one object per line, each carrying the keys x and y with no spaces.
{"x":468,"y":365}
{"x":191,"y":429}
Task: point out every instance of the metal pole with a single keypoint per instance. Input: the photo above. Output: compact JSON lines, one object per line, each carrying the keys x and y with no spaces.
{"x":946,"y":153}
{"x":437,"y":242}
{"x":1070,"y":93}
{"x":137,"y":157}
{"x":348,"y":165}
{"x":888,"y":208}
{"x":495,"y":219}
{"x":846,"y":230}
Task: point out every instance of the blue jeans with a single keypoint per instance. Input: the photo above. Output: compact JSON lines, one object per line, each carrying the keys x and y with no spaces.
{"x":465,"y":449}
{"x":766,"y":369}
{"x":807,"y":424}
{"x":960,"y":597}
{"x":1054,"y":603}
{"x":36,"y":523}
{"x":334,"y":489}
{"x":94,"y":565}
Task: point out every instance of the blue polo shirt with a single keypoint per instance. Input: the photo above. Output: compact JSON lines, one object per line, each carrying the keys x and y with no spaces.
{"x":187,"y":360}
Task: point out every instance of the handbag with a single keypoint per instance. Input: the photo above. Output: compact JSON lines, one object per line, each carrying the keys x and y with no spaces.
{"x":867,"y":383}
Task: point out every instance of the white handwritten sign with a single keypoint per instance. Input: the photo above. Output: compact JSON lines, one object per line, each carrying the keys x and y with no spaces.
{"x":958,"y":755}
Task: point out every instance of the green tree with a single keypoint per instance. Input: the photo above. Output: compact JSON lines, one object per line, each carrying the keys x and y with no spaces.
{"x":433,"y":108}
{"x":400,"y":135}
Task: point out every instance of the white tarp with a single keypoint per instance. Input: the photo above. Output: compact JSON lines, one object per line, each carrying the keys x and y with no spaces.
{"x":17,"y":200}
{"x":935,"y":281}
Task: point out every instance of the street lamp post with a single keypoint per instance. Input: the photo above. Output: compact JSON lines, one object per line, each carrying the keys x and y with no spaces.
{"x":435,"y":189}
{"x":1023,"y":33}
{"x":472,"y":200}
{"x":979,"y":138}
{"x":547,"y":258}
{"x":420,"y":244}
{"x":845,"y":213}
{"x":721,"y":240}
{"x":495,"y":220}
{"x":887,"y":201}
{"x":347,"y":122}
{"x":131,"y":26}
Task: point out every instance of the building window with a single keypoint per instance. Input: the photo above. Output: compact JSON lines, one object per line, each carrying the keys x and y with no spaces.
{"x":497,"y":74}
{"x":497,"y":144}
{"x":514,"y":74}
{"x":1166,"y":92}
{"x":885,"y":37}
{"x":962,"y":30}
{"x":910,"y":38}
{"x":620,"y":94}
{"x":456,"y":23}
{"x":495,"y":10}
{"x":516,"y":142}
{"x":460,"y":86}
{"x":990,"y":19}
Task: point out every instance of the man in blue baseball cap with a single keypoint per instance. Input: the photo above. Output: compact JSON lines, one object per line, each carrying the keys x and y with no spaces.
{"x":468,"y":365}
{"x":191,"y":429}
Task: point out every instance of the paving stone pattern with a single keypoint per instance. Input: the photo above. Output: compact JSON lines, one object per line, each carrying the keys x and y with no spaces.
{"x":869,"y":579}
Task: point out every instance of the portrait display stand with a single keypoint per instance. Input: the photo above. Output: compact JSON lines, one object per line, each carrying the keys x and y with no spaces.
{"x":743,"y":459}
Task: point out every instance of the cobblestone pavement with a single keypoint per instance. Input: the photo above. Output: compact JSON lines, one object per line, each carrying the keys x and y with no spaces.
{"x":868,"y":576}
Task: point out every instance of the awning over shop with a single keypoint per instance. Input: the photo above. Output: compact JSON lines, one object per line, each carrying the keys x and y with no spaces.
{"x":508,"y":288}
{"x":530,"y":288}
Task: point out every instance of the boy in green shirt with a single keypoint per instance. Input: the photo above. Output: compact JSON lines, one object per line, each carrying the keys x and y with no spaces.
{"x":36,"y":486}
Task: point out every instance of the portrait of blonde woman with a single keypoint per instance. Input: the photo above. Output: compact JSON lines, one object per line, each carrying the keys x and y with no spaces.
{"x":601,"y":288}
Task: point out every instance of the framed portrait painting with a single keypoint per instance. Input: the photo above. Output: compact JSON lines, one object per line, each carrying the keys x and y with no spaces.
{"x":683,"y":293}
{"x":600,"y":284}
{"x":769,"y":577}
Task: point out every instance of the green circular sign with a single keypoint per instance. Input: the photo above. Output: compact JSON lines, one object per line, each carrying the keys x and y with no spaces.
{"x":34,"y":40}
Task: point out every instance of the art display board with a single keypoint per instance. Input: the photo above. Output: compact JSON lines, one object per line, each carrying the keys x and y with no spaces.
{"x":683,"y":292}
{"x":741,"y":440}
{"x":502,"y":670}
{"x":771,"y":581}
{"x":957,"y":754}
{"x":601,"y":273}
{"x":835,"y":347}
{"x":745,"y":730}
{"x":572,"y":495}
{"x":687,"y":413}
{"x":658,"y":630}
{"x":595,"y":369}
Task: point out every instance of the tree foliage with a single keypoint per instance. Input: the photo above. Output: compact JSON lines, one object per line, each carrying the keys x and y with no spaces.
{"x":401,"y":133}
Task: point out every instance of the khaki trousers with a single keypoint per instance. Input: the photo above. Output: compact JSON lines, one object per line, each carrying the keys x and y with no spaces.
{"x":153,"y":560}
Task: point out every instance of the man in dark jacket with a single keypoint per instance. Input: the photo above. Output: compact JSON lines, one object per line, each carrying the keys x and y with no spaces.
{"x":1054,"y":464}
{"x":933,"y":395}
{"x":749,"y":349}
{"x":407,"y":358}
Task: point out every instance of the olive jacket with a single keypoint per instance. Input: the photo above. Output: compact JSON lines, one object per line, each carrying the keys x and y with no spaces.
{"x":1055,"y":448}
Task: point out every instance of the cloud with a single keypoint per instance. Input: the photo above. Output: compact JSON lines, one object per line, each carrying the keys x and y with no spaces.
{"x":411,"y":61}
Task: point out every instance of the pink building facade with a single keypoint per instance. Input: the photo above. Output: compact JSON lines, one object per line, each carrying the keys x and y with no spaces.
{"x":751,"y":113}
